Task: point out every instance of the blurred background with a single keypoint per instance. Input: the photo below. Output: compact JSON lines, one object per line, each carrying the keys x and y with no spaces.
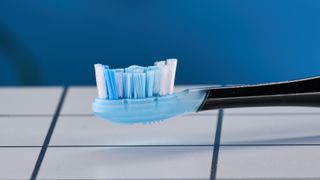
{"x":217,"y":42}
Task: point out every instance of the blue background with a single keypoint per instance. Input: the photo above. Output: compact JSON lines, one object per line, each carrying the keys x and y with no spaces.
{"x":216,"y":42}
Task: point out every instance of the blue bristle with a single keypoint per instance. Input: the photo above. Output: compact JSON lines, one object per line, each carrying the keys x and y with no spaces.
{"x":111,"y":83}
{"x":149,"y":82}
{"x":127,"y":85}
{"x":106,"y":75}
{"x":112,"y":76}
{"x":139,"y":85}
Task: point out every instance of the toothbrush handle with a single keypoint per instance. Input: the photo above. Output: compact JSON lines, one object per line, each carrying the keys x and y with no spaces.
{"x":303,"y":92}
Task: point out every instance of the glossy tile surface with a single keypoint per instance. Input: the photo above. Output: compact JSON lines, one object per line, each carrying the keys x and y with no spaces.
{"x":127,"y":163}
{"x":29,"y":100}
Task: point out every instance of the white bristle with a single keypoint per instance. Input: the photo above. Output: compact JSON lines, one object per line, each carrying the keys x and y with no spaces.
{"x":157,"y":78}
{"x":160,"y":63}
{"x":163,"y":80}
{"x":163,"y":77}
{"x":101,"y":81}
{"x":139,"y":85}
{"x":149,"y":82}
{"x":172,"y":66}
{"x":119,"y":82}
{"x":127,"y":85}
{"x":135,"y":69}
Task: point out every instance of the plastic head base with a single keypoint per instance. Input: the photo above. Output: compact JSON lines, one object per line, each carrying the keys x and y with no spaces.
{"x":148,"y":110}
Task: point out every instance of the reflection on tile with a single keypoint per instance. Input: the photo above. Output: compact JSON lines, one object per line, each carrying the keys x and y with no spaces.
{"x":193,"y":129}
{"x":269,"y":162}
{"x":274,"y":110}
{"x":29,"y":100}
{"x":275,"y":129}
{"x":135,"y":163}
{"x":23,"y":131}
{"x":17,"y":163}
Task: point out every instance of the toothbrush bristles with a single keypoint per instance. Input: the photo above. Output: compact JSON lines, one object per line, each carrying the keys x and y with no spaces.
{"x":136,"y":82}
{"x":172,"y":66}
{"x":101,"y":81}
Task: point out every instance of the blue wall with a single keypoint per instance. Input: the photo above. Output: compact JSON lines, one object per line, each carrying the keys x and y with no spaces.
{"x":57,"y":42}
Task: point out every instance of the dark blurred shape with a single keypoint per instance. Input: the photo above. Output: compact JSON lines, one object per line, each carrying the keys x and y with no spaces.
{"x":19,"y":56}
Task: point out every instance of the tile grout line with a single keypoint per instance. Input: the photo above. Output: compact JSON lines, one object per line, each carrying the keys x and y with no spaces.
{"x":271,"y":145}
{"x":76,"y":115}
{"x":133,"y":146}
{"x":189,"y":179}
{"x":216,"y":146}
{"x":13,"y":146}
{"x":161,"y":145}
{"x":48,"y":136}
{"x":227,"y":114}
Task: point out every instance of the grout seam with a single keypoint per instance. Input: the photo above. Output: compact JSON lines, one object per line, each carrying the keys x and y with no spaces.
{"x":49,"y":135}
{"x":216,"y":146}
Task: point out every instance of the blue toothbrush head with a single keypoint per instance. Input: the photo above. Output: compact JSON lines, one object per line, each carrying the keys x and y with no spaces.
{"x":139,"y":94}
{"x":148,"y":110}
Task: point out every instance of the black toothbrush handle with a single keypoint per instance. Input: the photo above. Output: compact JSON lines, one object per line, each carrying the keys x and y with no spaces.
{"x":303,"y":92}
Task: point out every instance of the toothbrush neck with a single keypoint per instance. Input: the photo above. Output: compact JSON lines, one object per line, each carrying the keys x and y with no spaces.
{"x":304,"y":92}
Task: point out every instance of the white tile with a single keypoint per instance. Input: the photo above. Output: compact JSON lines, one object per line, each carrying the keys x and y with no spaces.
{"x":191,"y":129}
{"x":135,"y":163}
{"x":17,"y":163}
{"x":274,"y":109}
{"x":23,"y":131}
{"x":271,"y":129}
{"x":269,"y":162}
{"x":29,"y":100}
{"x":79,"y":99}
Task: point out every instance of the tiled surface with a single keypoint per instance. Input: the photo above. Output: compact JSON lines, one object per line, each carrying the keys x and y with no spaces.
{"x":270,"y":143}
{"x":23,"y":131}
{"x":29,"y":101}
{"x":79,"y":100}
{"x":273,"y":162}
{"x":186,"y":130}
{"x":271,"y":129}
{"x":135,"y":163}
{"x":17,"y":163}
{"x":25,"y":116}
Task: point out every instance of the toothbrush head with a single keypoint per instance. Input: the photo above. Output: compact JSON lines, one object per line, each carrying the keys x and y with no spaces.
{"x":139,"y":94}
{"x":148,"y":110}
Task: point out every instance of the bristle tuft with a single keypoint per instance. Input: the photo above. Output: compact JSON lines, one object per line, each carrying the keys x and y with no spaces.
{"x":172,"y":66}
{"x":136,"y":81}
{"x":100,"y":80}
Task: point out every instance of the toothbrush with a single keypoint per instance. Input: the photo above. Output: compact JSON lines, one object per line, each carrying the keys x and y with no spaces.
{"x":303,"y":92}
